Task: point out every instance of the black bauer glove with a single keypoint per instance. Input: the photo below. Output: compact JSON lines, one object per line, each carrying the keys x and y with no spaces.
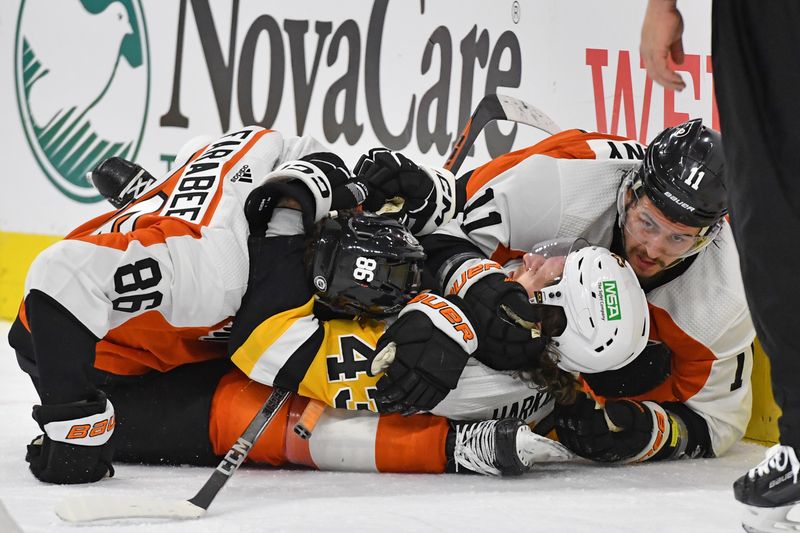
{"x":75,"y":446}
{"x":320,"y":182}
{"x":624,"y":431}
{"x":421,"y":198}
{"x":504,"y":317}
{"x":423,"y":354}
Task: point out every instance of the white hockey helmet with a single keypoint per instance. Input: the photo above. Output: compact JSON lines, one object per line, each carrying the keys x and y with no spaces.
{"x":608,"y":321}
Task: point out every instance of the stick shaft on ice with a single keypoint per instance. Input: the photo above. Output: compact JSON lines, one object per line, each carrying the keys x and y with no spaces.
{"x":88,"y":508}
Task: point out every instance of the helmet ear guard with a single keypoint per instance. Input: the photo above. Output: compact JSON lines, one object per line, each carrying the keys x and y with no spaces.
{"x":325,"y":254}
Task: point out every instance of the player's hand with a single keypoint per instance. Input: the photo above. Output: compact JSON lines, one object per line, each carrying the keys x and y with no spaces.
{"x":646,"y":372}
{"x":661,"y":41}
{"x":421,"y":198}
{"x":120,"y":181}
{"x":320,"y":182}
{"x":623,"y":431}
{"x":422,"y":354}
{"x":75,"y":446}
{"x":509,"y":326}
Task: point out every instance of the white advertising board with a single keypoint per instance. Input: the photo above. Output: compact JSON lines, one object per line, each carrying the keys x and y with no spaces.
{"x":85,"y":79}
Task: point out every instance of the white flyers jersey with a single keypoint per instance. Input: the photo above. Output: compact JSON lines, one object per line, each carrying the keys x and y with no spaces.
{"x":566,"y":186}
{"x":157,"y":278}
{"x":483,"y":393}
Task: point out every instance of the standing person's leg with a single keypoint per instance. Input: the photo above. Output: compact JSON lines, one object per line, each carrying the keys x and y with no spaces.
{"x":757,"y":74}
{"x":756,"y":58}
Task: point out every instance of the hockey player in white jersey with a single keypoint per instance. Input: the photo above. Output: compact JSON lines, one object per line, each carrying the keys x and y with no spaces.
{"x":663,"y":209}
{"x":148,"y":287}
{"x":368,"y":267}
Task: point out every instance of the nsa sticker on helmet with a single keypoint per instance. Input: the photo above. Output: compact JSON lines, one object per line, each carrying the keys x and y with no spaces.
{"x":610,"y":300}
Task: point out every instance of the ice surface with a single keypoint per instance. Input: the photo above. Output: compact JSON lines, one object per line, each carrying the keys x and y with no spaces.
{"x":685,"y":496}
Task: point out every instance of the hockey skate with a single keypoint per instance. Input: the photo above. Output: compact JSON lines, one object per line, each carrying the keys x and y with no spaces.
{"x":771,"y":493}
{"x":499,"y":448}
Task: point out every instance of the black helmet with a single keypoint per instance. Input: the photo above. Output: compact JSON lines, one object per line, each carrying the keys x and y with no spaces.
{"x":366,"y":265}
{"x":683,"y":174}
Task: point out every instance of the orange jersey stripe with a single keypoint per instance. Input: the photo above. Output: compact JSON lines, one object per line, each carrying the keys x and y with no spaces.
{"x":691,"y":362}
{"x":85,"y":230}
{"x":148,"y":342}
{"x":503,"y":254}
{"x":569,"y":144}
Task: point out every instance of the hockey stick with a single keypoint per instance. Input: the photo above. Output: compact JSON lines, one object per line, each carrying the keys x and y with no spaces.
{"x":88,"y":508}
{"x":497,"y":107}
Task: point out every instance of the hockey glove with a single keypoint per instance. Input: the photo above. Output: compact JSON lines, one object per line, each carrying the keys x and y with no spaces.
{"x":421,"y":198}
{"x":645,"y":373}
{"x":320,"y":182}
{"x":507,"y":323}
{"x":120,"y":181}
{"x":624,"y":431}
{"x":75,"y":447}
{"x":422,"y":354}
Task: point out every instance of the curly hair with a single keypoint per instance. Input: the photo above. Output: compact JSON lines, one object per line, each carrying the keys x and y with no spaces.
{"x":545,"y":373}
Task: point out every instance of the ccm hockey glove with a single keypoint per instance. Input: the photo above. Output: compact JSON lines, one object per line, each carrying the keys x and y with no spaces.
{"x":320,"y":182}
{"x":422,"y":198}
{"x":422,"y":354}
{"x":75,"y":446}
{"x":624,"y":431}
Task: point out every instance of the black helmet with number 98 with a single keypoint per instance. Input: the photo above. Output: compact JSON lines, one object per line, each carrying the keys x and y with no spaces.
{"x":366,"y":265}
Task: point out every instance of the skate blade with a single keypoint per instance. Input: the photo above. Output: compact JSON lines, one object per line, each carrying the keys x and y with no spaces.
{"x":534,"y":448}
{"x":771,"y":519}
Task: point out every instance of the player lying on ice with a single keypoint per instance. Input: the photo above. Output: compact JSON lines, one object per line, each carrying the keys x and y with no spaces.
{"x":152,"y":284}
{"x":663,"y":208}
{"x":280,"y":338}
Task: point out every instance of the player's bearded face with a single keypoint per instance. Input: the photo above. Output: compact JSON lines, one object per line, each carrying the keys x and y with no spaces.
{"x":653,"y":242}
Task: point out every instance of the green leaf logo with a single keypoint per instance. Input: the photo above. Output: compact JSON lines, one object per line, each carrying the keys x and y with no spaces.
{"x":82,"y":70}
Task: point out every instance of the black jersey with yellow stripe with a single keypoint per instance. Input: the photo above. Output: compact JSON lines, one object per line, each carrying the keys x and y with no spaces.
{"x":278,"y":339}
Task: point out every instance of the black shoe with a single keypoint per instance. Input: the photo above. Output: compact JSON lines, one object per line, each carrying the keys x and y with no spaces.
{"x":769,"y":491}
{"x":499,"y":448}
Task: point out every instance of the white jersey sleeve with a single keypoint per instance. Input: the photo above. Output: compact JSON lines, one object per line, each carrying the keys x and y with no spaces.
{"x":176,"y":257}
{"x":483,"y":393}
{"x":561,"y":187}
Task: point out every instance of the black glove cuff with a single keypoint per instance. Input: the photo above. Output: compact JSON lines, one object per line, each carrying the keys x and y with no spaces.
{"x":698,"y":440}
{"x":643,"y":374}
{"x":44,"y":414}
{"x":261,"y":203}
